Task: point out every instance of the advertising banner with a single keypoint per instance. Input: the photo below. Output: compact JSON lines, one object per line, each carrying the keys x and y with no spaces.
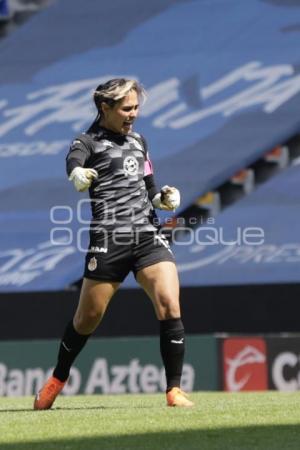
{"x":106,"y":366}
{"x":284,"y":363}
{"x":244,"y":364}
{"x":260,"y":363}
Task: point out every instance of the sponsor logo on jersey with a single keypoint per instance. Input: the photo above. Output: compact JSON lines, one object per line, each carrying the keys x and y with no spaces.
{"x":244,"y":364}
{"x":108,"y":143}
{"x":130,"y":165}
{"x":92,"y":264}
{"x":96,"y":249}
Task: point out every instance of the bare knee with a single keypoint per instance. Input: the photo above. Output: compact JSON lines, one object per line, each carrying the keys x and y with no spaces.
{"x":87,"y":322}
{"x":167,"y":307}
{"x":94,"y":299}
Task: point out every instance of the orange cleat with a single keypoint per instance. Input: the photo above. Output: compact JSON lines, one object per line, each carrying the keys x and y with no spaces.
{"x":46,"y":396}
{"x":176,"y":397}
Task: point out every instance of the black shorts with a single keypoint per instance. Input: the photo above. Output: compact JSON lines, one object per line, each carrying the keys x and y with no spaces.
{"x":111,"y":256}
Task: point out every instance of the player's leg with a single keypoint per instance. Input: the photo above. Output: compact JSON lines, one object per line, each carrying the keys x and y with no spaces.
{"x":160,"y":282}
{"x":94,"y":299}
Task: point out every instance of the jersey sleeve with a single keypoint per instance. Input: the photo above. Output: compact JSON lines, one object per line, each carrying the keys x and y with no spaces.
{"x":148,"y":167}
{"x":79,"y":152}
{"x":148,"y":172}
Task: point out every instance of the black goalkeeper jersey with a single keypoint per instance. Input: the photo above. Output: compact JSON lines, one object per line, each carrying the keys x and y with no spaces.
{"x":119,"y":197}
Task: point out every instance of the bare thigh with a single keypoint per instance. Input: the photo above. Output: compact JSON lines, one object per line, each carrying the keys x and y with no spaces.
{"x":160,"y":282}
{"x":94,"y":299}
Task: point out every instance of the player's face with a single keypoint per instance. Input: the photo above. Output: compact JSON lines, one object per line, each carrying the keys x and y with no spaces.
{"x":120,"y":117}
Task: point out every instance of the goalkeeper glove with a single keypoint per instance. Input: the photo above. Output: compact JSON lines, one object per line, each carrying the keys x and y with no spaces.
{"x":167,"y":199}
{"x":82,"y":178}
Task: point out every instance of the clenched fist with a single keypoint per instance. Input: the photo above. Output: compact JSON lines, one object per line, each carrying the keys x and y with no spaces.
{"x":82,"y":178}
{"x":167,"y":199}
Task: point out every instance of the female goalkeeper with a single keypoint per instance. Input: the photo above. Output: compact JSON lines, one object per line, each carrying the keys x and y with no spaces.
{"x":113,"y":162}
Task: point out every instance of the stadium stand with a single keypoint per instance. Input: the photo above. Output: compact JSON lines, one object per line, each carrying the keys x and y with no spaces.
{"x":4,"y":11}
{"x":260,"y":236}
{"x":14,"y":13}
{"x":212,"y":111}
{"x":219,"y":101}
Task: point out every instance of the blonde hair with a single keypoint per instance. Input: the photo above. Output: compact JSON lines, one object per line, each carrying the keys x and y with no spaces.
{"x":114,"y":90}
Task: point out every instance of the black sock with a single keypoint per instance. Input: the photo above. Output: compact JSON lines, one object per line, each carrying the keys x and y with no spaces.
{"x":71,"y":345}
{"x":172,"y":348}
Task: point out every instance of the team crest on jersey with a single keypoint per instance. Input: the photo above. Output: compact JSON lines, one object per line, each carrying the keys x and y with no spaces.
{"x":92,"y":264}
{"x":130,"y":165}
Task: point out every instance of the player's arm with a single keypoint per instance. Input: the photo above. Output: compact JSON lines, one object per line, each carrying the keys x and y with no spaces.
{"x":168,"y":198}
{"x":76,"y":159}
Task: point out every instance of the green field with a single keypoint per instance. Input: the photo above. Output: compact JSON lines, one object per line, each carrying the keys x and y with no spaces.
{"x":260,"y":421}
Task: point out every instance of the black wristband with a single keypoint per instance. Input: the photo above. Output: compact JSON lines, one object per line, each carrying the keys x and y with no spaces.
{"x":150,"y":185}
